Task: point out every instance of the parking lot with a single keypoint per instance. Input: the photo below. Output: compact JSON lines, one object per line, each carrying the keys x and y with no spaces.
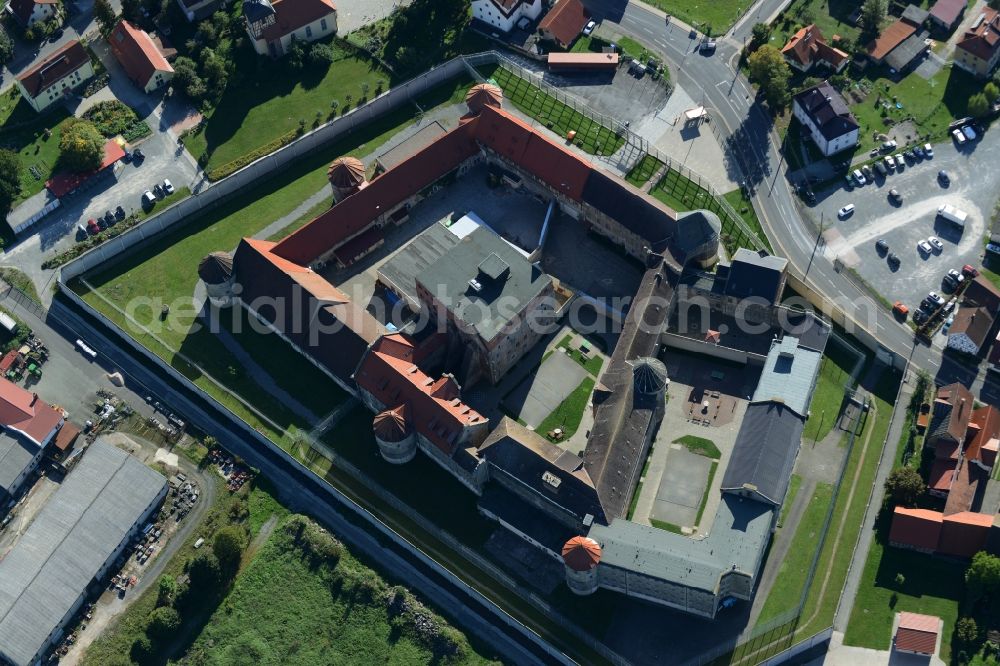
{"x":972,"y":188}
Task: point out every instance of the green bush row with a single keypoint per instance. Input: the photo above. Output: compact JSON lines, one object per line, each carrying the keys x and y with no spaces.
{"x":229,"y":168}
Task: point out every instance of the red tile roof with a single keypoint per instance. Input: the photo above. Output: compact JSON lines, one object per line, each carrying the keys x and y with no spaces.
{"x":292,"y":15}
{"x":917,"y":633}
{"x":64,"y":183}
{"x":981,"y":292}
{"x":66,"y":436}
{"x":565,"y":21}
{"x":894,"y":35}
{"x":984,"y":41}
{"x":25,"y":412}
{"x":808,"y":46}
{"x":137,"y":53}
{"x":388,"y":372}
{"x":984,"y":426}
{"x":58,"y":65}
{"x":916,"y":528}
{"x":964,"y":534}
{"x":581,"y":553}
{"x":966,"y":483}
{"x":942,"y":474}
{"x":948,"y":11}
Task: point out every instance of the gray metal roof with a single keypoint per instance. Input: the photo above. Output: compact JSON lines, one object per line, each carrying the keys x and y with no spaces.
{"x":16,"y":455}
{"x":911,"y":48}
{"x":412,"y":145}
{"x":487,"y":307}
{"x":401,"y":271}
{"x":756,"y":274}
{"x":739,"y":535}
{"x":789,"y":375}
{"x":764,"y":452}
{"x":71,"y":538}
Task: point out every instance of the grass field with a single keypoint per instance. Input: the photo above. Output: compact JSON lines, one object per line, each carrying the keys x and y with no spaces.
{"x":17,"y":278}
{"x":263,"y":108}
{"x":290,"y":606}
{"x":700,"y":445}
{"x":568,"y":414}
{"x":644,"y":170}
{"x":709,"y":16}
{"x":708,"y":489}
{"x":787,"y":589}
{"x":591,"y":364}
{"x":744,"y":206}
{"x":23,"y":130}
{"x":826,"y":400}
{"x":591,"y":136}
{"x":793,"y":490}
{"x":662,"y":525}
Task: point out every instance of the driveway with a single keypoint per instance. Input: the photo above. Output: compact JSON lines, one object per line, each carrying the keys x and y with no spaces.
{"x":973,"y":188}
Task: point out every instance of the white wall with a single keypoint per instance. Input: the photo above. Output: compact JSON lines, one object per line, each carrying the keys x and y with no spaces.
{"x":487,"y":12}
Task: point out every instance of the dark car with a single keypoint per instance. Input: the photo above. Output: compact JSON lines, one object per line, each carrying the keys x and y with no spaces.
{"x":56,"y":35}
{"x":881,"y":246}
{"x":127,"y":159}
{"x":919,"y":152}
{"x":920,"y":316}
{"x":895,"y":196}
{"x":908,"y":154}
{"x":109,"y":218}
{"x":137,"y":156}
{"x":943,"y":177}
{"x":893,"y":259}
{"x":158,"y":191}
{"x":120,"y":213}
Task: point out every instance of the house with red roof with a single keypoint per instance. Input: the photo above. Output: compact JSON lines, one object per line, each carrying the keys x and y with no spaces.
{"x":978,"y":51}
{"x":273,"y":26}
{"x":807,"y":48}
{"x":30,"y":12}
{"x":946,"y":14}
{"x":139,"y":56}
{"x":917,"y":634}
{"x":27,"y":426}
{"x":64,"y":70}
{"x":564,"y":22}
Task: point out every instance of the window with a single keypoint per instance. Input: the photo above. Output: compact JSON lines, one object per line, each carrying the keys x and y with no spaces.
{"x":309,"y":31}
{"x":322,"y":25}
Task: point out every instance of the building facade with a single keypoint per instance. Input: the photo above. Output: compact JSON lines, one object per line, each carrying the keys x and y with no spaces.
{"x":504,"y":15}
{"x":978,"y":51}
{"x":273,"y":27}
{"x":139,"y":56}
{"x":49,"y":81}
{"x":30,"y":12}
{"x":826,"y":117}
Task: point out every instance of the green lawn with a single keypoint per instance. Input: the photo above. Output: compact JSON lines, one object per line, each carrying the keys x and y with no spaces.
{"x":793,"y":489}
{"x":661,"y":525}
{"x":710,"y":16}
{"x":291,"y":606}
{"x":830,"y":16}
{"x":826,"y":399}
{"x":264,"y":108}
{"x":644,"y":170}
{"x":568,"y":414}
{"x":591,"y":136}
{"x":787,"y":588}
{"x":17,"y":278}
{"x":23,"y":130}
{"x":591,"y":363}
{"x":931,"y":585}
{"x":744,"y":207}
{"x":700,"y":445}
{"x":708,"y":489}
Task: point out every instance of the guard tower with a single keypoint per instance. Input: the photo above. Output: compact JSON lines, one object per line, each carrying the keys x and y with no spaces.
{"x":347,"y":176}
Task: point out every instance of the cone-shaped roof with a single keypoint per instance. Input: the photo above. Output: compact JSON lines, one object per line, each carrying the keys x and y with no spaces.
{"x":346,"y":172}
{"x":392,"y":425}
{"x":216,"y":268}
{"x":650,"y":374}
{"x":581,"y":553}
{"x":483,"y":94}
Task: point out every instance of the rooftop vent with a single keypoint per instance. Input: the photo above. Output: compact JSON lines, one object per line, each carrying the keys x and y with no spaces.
{"x":551,"y":479}
{"x":475,"y":284}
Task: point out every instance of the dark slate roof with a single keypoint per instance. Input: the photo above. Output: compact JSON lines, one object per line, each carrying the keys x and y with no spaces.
{"x":529,"y":459}
{"x":638,"y":212}
{"x":765,"y":450}
{"x":696,"y":229}
{"x":827,"y":109}
{"x":756,"y":274}
{"x":914,"y":15}
{"x":912,"y":47}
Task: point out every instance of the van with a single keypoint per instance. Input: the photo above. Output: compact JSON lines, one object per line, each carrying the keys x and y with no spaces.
{"x":954,"y":215}
{"x":859,"y":177}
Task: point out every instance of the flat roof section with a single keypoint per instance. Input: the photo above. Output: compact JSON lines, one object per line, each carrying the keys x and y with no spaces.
{"x":400,"y":273}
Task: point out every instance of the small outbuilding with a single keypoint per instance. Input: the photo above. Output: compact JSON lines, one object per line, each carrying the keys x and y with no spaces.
{"x":917,"y":634}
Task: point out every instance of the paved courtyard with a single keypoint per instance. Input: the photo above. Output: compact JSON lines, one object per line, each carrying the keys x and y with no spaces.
{"x":973,"y":188}
{"x":681,"y":488}
{"x":541,"y":392}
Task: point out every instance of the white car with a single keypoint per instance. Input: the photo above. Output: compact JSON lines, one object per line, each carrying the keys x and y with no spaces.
{"x":846,"y":211}
{"x":936,"y":297}
{"x":928,"y":150}
{"x":589,"y":27}
{"x":900,"y":162}
{"x":168,"y":187}
{"x":924,"y":246}
{"x":956,"y":275}
{"x":936,"y":242}
{"x":948,"y":322}
{"x":969,"y":133}
{"x":148,"y":198}
{"x":859,"y":177}
{"x":890,"y":163}
{"x":959,"y":137}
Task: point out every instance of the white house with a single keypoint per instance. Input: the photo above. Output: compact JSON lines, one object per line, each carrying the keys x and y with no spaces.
{"x":273,"y":25}
{"x":505,"y":14}
{"x":50,"y":80}
{"x":30,"y":12}
{"x":139,"y":56}
{"x":827,"y":118}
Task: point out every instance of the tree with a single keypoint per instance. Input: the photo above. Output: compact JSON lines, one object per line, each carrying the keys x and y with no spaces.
{"x":760,"y":35}
{"x":81,"y":146}
{"x":105,"y":15}
{"x":900,"y":580}
{"x":321,"y":54}
{"x":991,"y":91}
{"x":132,"y":10}
{"x":204,"y":572}
{"x":904,"y":486}
{"x":967,"y":631}
{"x":142,"y":650}
{"x":979,"y":106}
{"x":228,"y":548}
{"x":163,"y":624}
{"x":213,"y":71}
{"x":10,"y":180}
{"x":873,"y":13}
{"x":982,"y":578}
{"x":769,"y":70}
{"x":6,"y":47}
{"x":166,"y":590}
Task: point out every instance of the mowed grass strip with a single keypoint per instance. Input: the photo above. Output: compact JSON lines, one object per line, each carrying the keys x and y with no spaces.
{"x":569,"y":413}
{"x":714,"y":16}
{"x":700,"y":445}
{"x":644,"y":170}
{"x":591,"y":136}
{"x":826,"y":400}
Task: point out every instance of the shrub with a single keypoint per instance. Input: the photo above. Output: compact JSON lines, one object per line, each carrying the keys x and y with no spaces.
{"x":81,"y":146}
{"x":111,"y":117}
{"x":321,"y":54}
{"x":163,"y":624}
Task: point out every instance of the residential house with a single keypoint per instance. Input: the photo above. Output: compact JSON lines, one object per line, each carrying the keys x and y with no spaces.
{"x":975,"y":319}
{"x":273,"y":26}
{"x":978,"y":51}
{"x":49,"y":81}
{"x":807,"y":48}
{"x":903,"y":43}
{"x":946,"y":14}
{"x":504,"y":15}
{"x":140,"y":56}
{"x":30,"y":12}
{"x":564,"y":22}
{"x":827,"y":119}
{"x":27,"y":425}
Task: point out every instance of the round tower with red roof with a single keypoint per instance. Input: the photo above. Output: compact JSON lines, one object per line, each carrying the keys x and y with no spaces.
{"x":347,"y":176}
{"x":394,"y":435}
{"x":482,"y":95}
{"x":581,"y":555}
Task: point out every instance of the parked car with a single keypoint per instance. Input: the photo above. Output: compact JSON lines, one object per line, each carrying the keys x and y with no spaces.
{"x":895,"y":196}
{"x":867,"y":171}
{"x":120,"y":213}
{"x":944,"y":177}
{"x":589,"y":28}
{"x":148,"y":199}
{"x":969,"y":272}
{"x":846,"y":211}
{"x":900,"y":310}
{"x":919,"y":317}
{"x":109,"y":218}
{"x":893,"y":259}
{"x":890,"y":163}
{"x":158,"y":191}
{"x":928,"y":150}
{"x":880,"y":167}
{"x":708,"y":46}
{"x":918,"y":151}
{"x":936,"y":297}
{"x":956,"y":275}
{"x":958,"y":136}
{"x":908,"y":154}
{"x":888,"y":146}
{"x":859,"y":177}
{"x":900,"y":162}
{"x":935,"y":243}
{"x":969,"y":133}
{"x":947,"y":323}
{"x":93,"y":227}
{"x":881,"y":246}
{"x":168,"y":187}
{"x":924,"y":246}
{"x":127,"y":159}
{"x":928,"y":305}
{"x":137,"y":156}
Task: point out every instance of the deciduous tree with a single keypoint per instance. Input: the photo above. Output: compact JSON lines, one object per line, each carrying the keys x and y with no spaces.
{"x":904,"y":486}
{"x":769,"y":70}
{"x":10,"y":179}
{"x":982,"y":578}
{"x":873,"y":13}
{"x":105,"y":15}
{"x":163,"y":623}
{"x":81,"y":146}
{"x":228,"y":548}
{"x":6,"y":47}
